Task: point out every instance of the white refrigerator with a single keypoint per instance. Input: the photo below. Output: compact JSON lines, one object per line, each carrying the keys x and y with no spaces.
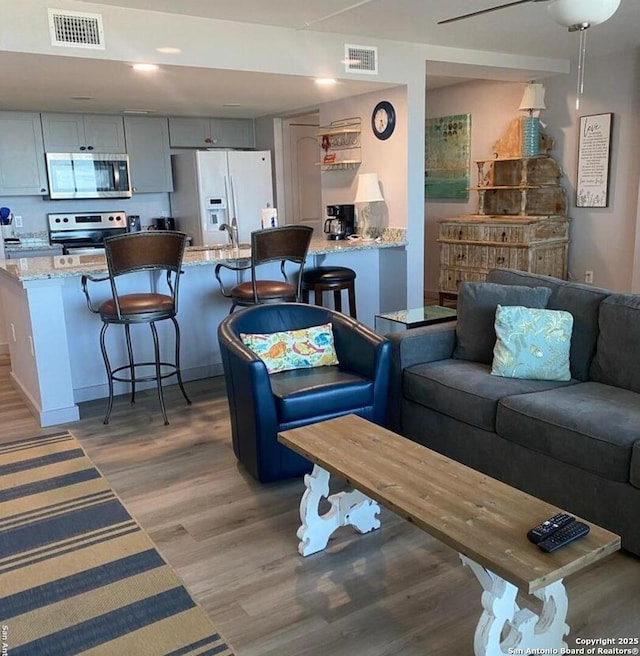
{"x":213,"y":187}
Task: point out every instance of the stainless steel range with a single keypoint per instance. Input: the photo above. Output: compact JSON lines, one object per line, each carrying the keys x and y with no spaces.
{"x":84,"y":233}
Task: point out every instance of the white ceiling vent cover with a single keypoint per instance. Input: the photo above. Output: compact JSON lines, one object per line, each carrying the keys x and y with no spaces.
{"x":76,"y":29}
{"x":361,"y":59}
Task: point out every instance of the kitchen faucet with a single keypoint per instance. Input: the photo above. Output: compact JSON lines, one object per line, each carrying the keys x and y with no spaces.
{"x":232,"y":230}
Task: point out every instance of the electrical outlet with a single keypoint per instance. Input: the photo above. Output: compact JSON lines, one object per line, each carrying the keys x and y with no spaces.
{"x":588,"y":277}
{"x":17,"y":221}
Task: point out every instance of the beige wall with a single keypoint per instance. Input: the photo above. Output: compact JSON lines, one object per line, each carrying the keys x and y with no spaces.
{"x":387,"y":158}
{"x":606,"y":240}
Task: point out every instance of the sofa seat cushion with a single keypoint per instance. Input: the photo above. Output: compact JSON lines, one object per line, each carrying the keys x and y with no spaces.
{"x":465,"y":390}
{"x":589,"y":425}
{"x":319,"y":392}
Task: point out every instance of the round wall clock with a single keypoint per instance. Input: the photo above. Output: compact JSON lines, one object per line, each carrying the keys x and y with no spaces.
{"x":383,"y":119}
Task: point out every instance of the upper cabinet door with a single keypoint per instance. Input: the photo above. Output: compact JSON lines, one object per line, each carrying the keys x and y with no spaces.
{"x":104,"y":134}
{"x":211,"y":133}
{"x":63,"y":133}
{"x":75,"y":133}
{"x":22,"y":166}
{"x":149,"y":155}
{"x":232,"y":133}
{"x":190,"y":133}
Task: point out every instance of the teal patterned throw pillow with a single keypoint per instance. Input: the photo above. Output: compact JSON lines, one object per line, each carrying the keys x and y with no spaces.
{"x":532,"y":344}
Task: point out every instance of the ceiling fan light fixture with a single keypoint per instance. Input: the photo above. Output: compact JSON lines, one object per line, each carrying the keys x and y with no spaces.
{"x":580,"y":14}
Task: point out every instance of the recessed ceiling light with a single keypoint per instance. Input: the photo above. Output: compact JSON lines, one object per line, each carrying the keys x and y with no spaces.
{"x":325,"y":81}
{"x":169,"y":50}
{"x":145,"y":68}
{"x":138,"y":111}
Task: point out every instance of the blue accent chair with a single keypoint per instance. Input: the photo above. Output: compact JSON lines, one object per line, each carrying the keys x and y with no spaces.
{"x":262,"y":404}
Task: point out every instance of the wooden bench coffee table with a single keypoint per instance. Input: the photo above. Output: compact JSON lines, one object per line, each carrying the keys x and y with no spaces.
{"x":485,"y":520}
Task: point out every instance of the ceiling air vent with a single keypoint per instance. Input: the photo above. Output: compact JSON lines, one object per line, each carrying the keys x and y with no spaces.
{"x":361,"y":59}
{"x":76,"y":29}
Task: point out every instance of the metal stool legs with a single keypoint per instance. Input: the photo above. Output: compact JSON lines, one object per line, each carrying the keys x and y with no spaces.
{"x":112,"y":374}
{"x":177,"y":361}
{"x":105,"y":357}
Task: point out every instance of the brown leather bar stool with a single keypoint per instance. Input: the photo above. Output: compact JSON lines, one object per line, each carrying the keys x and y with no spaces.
{"x":327,"y":279}
{"x":159,"y":254}
{"x":286,"y":244}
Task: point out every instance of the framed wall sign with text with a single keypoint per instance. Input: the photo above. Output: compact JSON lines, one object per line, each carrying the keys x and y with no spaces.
{"x":594,"y":160}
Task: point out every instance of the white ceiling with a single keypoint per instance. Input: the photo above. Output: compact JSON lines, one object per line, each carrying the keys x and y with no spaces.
{"x":525,"y":29}
{"x":38,"y":82}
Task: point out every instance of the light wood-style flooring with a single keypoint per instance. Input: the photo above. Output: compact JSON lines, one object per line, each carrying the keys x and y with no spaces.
{"x":394,"y":592}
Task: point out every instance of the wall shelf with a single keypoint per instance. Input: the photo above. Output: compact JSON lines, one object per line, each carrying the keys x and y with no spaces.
{"x":339,"y":165}
{"x":340,"y":145}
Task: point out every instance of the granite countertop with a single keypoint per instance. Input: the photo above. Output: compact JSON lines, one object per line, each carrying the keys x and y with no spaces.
{"x":66,"y":266}
{"x":18,"y":247}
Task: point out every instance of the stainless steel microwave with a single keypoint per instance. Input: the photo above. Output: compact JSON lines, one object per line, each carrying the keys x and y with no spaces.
{"x":88,"y":175}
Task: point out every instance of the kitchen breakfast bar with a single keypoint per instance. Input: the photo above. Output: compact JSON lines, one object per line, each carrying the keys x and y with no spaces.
{"x":54,"y":340}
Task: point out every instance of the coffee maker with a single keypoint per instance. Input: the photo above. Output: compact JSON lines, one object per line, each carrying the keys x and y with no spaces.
{"x":340,"y":222}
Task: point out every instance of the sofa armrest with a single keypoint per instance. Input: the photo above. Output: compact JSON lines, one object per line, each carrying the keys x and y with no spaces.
{"x":411,"y":347}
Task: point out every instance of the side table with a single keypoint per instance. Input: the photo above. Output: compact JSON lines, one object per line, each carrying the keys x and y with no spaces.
{"x":393,"y":322}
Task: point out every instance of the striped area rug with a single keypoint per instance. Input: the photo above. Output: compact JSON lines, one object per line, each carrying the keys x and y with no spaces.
{"x":77,"y":573}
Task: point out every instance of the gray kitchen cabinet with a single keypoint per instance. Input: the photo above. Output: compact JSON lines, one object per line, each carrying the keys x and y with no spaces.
{"x":149,"y":155}
{"x":22,"y":166}
{"x":73,"y":133}
{"x":211,"y":133}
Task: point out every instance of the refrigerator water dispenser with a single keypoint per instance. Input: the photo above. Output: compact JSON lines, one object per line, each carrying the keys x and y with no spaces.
{"x":216,"y":213}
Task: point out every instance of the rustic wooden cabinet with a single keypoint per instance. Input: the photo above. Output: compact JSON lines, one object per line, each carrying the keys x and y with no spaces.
{"x":521,"y":224}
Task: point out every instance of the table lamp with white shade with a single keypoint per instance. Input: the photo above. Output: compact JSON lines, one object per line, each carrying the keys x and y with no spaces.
{"x":368,"y":192}
{"x":532,"y":101}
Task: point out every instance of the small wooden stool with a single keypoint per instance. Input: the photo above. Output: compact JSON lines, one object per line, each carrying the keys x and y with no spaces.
{"x":325,"y":279}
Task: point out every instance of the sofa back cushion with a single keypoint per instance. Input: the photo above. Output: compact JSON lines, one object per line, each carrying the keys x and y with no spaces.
{"x":477,"y":304}
{"x":617,"y":359}
{"x":582,"y":301}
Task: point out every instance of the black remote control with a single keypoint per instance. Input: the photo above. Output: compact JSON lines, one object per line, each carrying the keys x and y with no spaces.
{"x":566,"y":534}
{"x":549,"y":527}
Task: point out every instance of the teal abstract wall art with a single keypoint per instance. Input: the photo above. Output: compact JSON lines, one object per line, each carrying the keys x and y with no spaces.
{"x":447,"y":157}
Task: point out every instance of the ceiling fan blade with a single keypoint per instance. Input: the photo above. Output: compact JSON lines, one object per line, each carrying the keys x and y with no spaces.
{"x":486,"y":11}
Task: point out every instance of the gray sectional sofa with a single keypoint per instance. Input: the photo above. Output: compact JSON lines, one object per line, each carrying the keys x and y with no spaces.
{"x":575,"y":444}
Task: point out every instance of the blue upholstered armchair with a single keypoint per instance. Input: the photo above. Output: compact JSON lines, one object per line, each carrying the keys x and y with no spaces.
{"x":262,"y":404}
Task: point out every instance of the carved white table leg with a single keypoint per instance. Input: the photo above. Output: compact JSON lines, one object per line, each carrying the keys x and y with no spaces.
{"x":522,"y":628}
{"x":347,"y":508}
